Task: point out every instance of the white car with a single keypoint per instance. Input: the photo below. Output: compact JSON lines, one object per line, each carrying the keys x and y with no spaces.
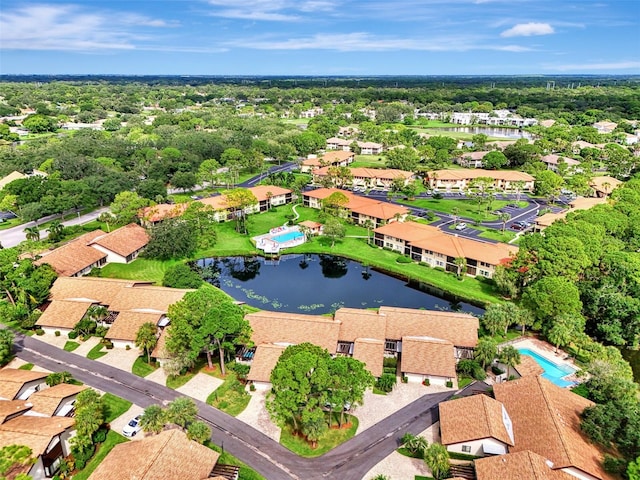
{"x":133,"y":427}
{"x":461,"y":226}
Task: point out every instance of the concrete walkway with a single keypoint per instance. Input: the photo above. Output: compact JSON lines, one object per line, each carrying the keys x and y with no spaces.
{"x":397,"y":466}
{"x":200,"y":386}
{"x":86,"y":346}
{"x":256,"y":415}
{"x":118,"y":423}
{"x":157,"y":377}
{"x":120,"y":358}
{"x":379,"y":407}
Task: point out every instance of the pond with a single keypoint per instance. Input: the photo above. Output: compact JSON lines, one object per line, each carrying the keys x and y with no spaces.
{"x":319,"y":284}
{"x":498,"y":132}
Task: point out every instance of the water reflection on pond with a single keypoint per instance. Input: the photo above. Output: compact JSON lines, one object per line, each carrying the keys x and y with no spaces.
{"x":497,"y":132}
{"x":319,"y":284}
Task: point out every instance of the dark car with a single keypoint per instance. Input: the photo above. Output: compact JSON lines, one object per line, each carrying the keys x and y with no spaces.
{"x":517,"y":226}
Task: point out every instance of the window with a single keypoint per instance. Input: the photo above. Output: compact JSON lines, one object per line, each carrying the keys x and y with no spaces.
{"x":466,"y":448}
{"x":439,"y":263}
{"x":484,"y":273}
{"x":390,"y":345}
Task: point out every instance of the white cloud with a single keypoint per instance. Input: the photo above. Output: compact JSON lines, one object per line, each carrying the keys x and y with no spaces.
{"x":528,"y":30}
{"x":362,"y":41}
{"x":268,"y":10}
{"x":70,"y":28}
{"x":588,"y":67}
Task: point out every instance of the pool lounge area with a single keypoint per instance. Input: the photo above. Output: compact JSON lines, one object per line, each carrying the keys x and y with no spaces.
{"x":279,"y":238}
{"x":553,"y":372}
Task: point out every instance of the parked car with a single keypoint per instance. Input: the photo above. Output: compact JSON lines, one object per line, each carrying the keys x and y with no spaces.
{"x":133,"y":427}
{"x":517,"y":226}
{"x":461,"y":226}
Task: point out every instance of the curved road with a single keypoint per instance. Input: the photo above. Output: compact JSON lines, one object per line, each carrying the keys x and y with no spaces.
{"x":349,"y":461}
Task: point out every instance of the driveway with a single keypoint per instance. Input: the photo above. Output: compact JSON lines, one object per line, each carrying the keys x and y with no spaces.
{"x":200,"y":386}
{"x":118,"y":423}
{"x":120,"y":358}
{"x":256,"y":415}
{"x":349,"y":461}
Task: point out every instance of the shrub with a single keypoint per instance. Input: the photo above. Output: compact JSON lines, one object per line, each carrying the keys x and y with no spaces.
{"x":252,"y":387}
{"x":405,"y":379}
{"x":39,"y":331}
{"x":99,"y":435}
{"x":127,"y":347}
{"x":439,"y":269}
{"x":496,"y":370}
{"x":426,"y":382}
{"x":437,"y":196}
{"x":108,"y":344}
{"x":390,"y":362}
{"x":449,"y":384}
{"x":57,"y":333}
{"x":403,"y":259}
{"x":101,"y":331}
{"x":241,"y":369}
{"x":614,"y":465}
{"x":386,"y":382}
{"x":391,"y":370}
{"x":72,"y":335}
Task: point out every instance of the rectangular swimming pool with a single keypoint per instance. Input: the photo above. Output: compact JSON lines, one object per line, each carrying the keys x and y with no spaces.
{"x":552,"y":371}
{"x":285,"y":237}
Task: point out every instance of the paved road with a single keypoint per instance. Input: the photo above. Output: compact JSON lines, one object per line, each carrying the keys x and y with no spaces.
{"x":13,"y":236}
{"x":349,"y":461}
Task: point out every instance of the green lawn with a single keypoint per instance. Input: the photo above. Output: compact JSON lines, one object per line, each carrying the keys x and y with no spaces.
{"x":139,"y":269}
{"x":176,"y":381}
{"x":369,"y":161}
{"x":230,"y":397}
{"x":70,"y":346}
{"x":231,"y":243}
{"x":464,"y":381}
{"x":331,"y":439}
{"x":10,"y":223}
{"x":466,"y":208}
{"x":26,"y":366}
{"x":96,"y":352}
{"x":112,"y":440}
{"x":141,"y":368}
{"x":115,"y":406}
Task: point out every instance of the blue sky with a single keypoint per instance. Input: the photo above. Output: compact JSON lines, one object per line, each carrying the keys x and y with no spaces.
{"x":320,"y":37}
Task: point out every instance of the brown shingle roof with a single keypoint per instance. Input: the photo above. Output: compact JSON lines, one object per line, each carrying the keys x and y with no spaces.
{"x":161,"y":347}
{"x":47,"y":400}
{"x":546,"y":420}
{"x":598,"y":183}
{"x":98,"y":290}
{"x":161,"y":211}
{"x":10,"y":408}
{"x":295,"y":328}
{"x":461,"y":329}
{"x":63,"y":314}
{"x":170,"y":455}
{"x":33,"y":432}
{"x":381,"y":173}
{"x":523,"y":465}
{"x":359,"y":323}
{"x":431,"y":238}
{"x":13,"y":379}
{"x":127,"y":324}
{"x":264,"y":360}
{"x":75,"y":256}
{"x":371,"y":352}
{"x":146,"y":298}
{"x":472,"y":418}
{"x":361,"y":205}
{"x":428,"y":356}
{"x":125,"y":240}
{"x":528,"y":367}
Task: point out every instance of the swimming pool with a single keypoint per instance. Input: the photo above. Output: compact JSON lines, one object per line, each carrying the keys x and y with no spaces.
{"x":552,"y":371}
{"x":285,"y":237}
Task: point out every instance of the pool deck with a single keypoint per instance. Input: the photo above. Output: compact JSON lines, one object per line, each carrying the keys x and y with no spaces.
{"x":268,"y":245}
{"x":547,"y":351}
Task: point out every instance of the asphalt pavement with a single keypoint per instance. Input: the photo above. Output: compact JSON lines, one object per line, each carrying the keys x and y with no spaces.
{"x":349,"y":461}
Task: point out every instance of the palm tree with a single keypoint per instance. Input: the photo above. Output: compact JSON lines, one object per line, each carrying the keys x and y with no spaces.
{"x":368,"y":224}
{"x":182,"y":411}
{"x":518,"y":186}
{"x":437,"y":459}
{"x":504,"y":218}
{"x":55,"y":230}
{"x":146,"y":338}
{"x":32,"y":233}
{"x":606,"y":186}
{"x":510,"y":357}
{"x":461,"y":266}
{"x":97,"y":313}
{"x":269,"y":194}
{"x":485,"y":351}
{"x":153,"y":419}
{"x":454,"y":213}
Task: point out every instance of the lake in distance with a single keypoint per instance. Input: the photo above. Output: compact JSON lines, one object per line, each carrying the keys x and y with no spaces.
{"x":317,"y":284}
